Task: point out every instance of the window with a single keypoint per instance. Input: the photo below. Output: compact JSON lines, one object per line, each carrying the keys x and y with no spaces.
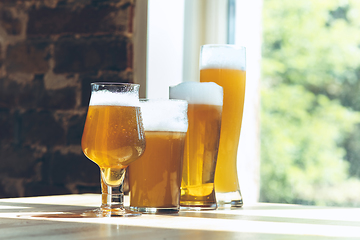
{"x":310,"y":102}
{"x":173,"y":48}
{"x":306,"y":54}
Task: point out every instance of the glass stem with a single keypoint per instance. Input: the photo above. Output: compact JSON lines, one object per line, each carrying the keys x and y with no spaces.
{"x":112,"y":197}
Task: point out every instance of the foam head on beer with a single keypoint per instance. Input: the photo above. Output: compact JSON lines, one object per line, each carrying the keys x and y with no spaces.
{"x":223,"y":56}
{"x":198,"y":93}
{"x":164,"y":115}
{"x":108,"y":98}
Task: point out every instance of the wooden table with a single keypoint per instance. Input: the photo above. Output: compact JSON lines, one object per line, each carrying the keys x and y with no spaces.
{"x":258,"y":221}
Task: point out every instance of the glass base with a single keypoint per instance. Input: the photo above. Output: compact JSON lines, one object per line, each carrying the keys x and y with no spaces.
{"x":155,"y":210}
{"x":198,"y":208}
{"x":114,"y":212}
{"x":197,"y":205}
{"x":229,"y":199}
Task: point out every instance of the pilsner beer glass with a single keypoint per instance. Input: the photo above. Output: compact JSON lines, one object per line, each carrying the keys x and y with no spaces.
{"x":225,"y":65}
{"x":113,"y":137}
{"x":154,"y":180}
{"x":202,"y":143}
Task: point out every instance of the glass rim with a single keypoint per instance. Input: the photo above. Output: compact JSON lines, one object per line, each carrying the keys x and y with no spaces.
{"x":114,"y":84}
{"x":234,"y":46}
{"x":161,"y":100}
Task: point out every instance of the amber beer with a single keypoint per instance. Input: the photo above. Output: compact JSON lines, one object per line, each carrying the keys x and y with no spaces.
{"x":201,"y":144}
{"x":111,"y":137}
{"x":225,"y":65}
{"x":155,"y":178}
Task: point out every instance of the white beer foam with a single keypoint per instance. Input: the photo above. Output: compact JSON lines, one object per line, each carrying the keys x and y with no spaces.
{"x":164,"y":115}
{"x":198,"y":93}
{"x":223,"y":56}
{"x":105,"y":97}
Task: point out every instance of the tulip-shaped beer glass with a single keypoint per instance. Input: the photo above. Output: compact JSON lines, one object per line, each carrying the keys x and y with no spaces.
{"x":113,"y":137}
{"x":225,"y":65}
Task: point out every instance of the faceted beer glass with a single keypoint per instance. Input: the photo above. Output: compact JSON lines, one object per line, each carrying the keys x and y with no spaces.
{"x":225,"y":65}
{"x":154,"y":180}
{"x":202,"y":143}
{"x":113,"y":137}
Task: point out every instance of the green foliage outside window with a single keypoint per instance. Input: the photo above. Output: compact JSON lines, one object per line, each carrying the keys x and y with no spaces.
{"x":310,"y":113}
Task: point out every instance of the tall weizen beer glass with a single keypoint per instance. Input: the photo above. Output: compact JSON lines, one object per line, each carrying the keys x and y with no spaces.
{"x":155,"y":179}
{"x":225,"y":65}
{"x":201,"y":144}
{"x":113,"y":137}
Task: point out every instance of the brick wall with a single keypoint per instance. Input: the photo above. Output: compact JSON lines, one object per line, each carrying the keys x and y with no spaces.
{"x":50,"y":52}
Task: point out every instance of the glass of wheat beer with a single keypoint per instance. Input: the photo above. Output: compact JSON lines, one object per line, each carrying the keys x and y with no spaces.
{"x":154,"y":180}
{"x":113,"y":137}
{"x":202,"y":143}
{"x":225,"y":65}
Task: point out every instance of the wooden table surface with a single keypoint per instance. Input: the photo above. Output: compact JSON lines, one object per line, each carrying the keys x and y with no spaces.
{"x":18,"y":220}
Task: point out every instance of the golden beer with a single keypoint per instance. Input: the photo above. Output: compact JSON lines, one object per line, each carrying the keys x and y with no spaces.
{"x":156,"y":177}
{"x":201,"y":144}
{"x":201,"y":149}
{"x":111,"y":139}
{"x":231,"y":75}
{"x":233,"y":83}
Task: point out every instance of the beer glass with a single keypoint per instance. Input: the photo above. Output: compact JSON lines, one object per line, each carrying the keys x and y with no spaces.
{"x":113,"y":137}
{"x":154,"y":180}
{"x":202,"y":143}
{"x":225,"y":65}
